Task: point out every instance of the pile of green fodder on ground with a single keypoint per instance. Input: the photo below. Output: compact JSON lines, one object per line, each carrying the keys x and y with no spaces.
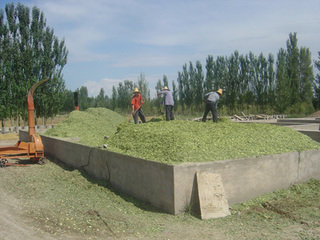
{"x":89,"y":127}
{"x":187,"y":141}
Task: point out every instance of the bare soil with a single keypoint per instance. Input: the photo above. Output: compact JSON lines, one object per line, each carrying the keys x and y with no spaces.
{"x":315,"y":114}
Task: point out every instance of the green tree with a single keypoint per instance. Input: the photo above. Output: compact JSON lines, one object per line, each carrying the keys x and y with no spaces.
{"x":114,"y":98}
{"x":221,"y":74}
{"x":232,"y":84}
{"x":145,"y":91}
{"x":208,"y":83}
{"x":4,"y":68}
{"x":262,"y":81}
{"x":143,"y":87}
{"x":31,"y":53}
{"x":282,"y":82}
{"x":271,"y":81}
{"x":293,"y":67}
{"x":158,"y":100}
{"x":175,"y":94}
{"x":68,"y":104}
{"x":181,"y":90}
{"x":100,"y":100}
{"x":192,"y":82}
{"x":124,"y":93}
{"x":244,"y":96}
{"x":83,"y":98}
{"x":316,"y":84}
{"x":187,"y":86}
{"x":158,"y":86}
{"x":165,"y":80}
{"x":198,"y":85}
{"x":306,"y":75}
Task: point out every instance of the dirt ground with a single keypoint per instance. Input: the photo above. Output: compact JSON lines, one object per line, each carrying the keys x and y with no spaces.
{"x":12,"y":224}
{"x":315,"y":114}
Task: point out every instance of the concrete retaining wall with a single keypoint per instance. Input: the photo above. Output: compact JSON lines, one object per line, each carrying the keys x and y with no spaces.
{"x":244,"y":179}
{"x":173,"y":188}
{"x":314,"y":135}
{"x":307,"y":126}
{"x":148,"y":181}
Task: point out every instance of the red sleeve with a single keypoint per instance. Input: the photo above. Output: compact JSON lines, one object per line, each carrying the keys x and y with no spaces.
{"x":132,"y":101}
{"x":141,"y":100}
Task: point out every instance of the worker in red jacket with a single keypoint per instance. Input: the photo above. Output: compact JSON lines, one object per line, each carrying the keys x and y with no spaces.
{"x":136,"y":103}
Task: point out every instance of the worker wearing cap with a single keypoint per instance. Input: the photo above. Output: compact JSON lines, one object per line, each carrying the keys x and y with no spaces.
{"x":212,"y":99}
{"x":136,"y":103}
{"x":168,"y":102}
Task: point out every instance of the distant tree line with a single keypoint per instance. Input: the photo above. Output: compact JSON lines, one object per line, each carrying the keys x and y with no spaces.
{"x":248,"y":80}
{"x":29,"y":52}
{"x":250,"y":83}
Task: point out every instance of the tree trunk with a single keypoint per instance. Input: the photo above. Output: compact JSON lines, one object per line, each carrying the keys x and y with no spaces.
{"x":2,"y":126}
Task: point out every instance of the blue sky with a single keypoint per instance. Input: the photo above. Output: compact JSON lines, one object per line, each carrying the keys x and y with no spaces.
{"x":114,"y":40}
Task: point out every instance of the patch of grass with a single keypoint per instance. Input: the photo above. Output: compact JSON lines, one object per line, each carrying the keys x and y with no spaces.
{"x":179,"y":141}
{"x":188,"y":141}
{"x":90,"y":126}
{"x":295,"y":208}
{"x":61,"y":200}
{"x":9,"y":136}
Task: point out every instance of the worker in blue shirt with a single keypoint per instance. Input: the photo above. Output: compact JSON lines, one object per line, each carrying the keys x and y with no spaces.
{"x":168,"y":102}
{"x":212,"y":99}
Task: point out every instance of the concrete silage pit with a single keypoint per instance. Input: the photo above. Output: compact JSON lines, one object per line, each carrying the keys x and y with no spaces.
{"x":173,"y":188}
{"x":306,"y":126}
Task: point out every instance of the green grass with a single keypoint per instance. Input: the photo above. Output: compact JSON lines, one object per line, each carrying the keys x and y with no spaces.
{"x":180,"y":140}
{"x":60,"y":200}
{"x":188,"y":141}
{"x":89,"y":127}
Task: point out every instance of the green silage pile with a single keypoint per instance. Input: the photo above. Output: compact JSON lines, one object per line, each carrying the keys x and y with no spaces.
{"x":88,"y":127}
{"x":179,"y":141}
{"x":185,"y":141}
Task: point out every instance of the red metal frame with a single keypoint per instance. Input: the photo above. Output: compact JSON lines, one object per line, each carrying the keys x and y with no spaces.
{"x":33,"y":149}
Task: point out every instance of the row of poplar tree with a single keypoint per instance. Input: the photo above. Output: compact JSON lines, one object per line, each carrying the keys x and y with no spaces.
{"x":29,"y":52}
{"x":250,"y":83}
{"x":247,"y":80}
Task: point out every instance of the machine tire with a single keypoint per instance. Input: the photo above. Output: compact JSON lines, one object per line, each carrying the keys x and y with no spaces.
{"x":3,"y":163}
{"x":42,"y":161}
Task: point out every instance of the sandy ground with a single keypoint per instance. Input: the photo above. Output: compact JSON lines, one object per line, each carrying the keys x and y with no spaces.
{"x":13,"y":226}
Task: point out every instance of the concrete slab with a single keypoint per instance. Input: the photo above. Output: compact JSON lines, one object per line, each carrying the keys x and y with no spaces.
{"x":307,"y":127}
{"x":212,"y":199}
{"x":299,"y":120}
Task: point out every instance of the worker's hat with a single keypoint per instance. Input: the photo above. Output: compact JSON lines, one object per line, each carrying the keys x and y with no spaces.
{"x":136,"y":90}
{"x":165,"y":88}
{"x":219,"y":91}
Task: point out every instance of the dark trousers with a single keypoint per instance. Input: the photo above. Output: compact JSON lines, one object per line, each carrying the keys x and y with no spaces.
{"x":210,"y":106}
{"x":169,"y":112}
{"x":139,"y":113}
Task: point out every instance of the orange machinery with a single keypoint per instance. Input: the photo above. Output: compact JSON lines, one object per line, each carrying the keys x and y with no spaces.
{"x":33,"y":149}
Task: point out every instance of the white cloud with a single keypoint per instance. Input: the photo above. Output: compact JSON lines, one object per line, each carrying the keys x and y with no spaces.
{"x":149,"y":60}
{"x":144,"y":34}
{"x":199,"y":25}
{"x":94,"y":87}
